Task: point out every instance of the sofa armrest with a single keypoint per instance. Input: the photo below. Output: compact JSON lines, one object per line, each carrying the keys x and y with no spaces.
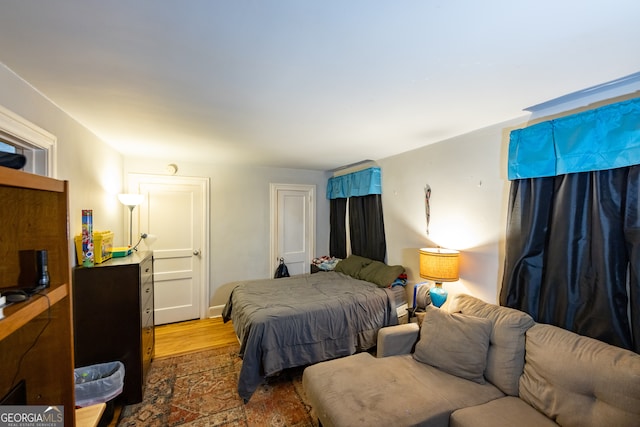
{"x":399,"y":339}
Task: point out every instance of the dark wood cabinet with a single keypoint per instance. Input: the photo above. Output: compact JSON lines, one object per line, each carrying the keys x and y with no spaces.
{"x":113,"y":318}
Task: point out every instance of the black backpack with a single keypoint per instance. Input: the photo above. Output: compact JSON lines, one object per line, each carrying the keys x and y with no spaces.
{"x":282,"y":270}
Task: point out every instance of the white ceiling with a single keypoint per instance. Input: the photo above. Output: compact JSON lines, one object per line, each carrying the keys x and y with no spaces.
{"x":308,"y":84}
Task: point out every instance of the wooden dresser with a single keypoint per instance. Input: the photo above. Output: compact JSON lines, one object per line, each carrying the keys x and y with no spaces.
{"x":113,"y":318}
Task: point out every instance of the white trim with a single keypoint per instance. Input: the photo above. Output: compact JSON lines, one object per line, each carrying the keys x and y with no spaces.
{"x":22,"y":129}
{"x":616,"y":88}
{"x":354,"y":167}
{"x":216,"y":311}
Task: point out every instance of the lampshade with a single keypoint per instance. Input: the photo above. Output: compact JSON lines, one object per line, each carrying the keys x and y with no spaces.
{"x":130,"y":199}
{"x":439,"y":265}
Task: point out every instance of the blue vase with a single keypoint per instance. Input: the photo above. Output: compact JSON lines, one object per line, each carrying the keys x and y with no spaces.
{"x":438,"y":295}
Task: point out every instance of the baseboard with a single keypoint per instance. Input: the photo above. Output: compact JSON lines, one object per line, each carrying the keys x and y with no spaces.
{"x":216,"y":311}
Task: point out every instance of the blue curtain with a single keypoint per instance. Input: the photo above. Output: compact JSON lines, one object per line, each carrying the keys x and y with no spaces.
{"x":361,"y":183}
{"x":573,"y":232}
{"x":599,"y":139}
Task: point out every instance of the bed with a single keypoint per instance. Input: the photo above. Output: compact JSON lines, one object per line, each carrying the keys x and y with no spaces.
{"x":305,"y":319}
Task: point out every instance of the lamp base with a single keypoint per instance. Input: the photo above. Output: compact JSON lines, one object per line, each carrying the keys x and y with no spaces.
{"x":438,"y":295}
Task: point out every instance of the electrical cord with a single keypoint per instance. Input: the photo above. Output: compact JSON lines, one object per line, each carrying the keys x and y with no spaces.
{"x":35,"y":341}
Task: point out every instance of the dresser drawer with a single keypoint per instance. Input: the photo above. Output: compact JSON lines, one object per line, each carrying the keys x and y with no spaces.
{"x":147,"y":348}
{"x":146,"y":295}
{"x":147,"y":316}
{"x":146,"y":271}
{"x":147,"y":341}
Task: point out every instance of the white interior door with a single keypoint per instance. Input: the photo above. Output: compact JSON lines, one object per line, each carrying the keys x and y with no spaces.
{"x":175,"y":213}
{"x":293,"y":230}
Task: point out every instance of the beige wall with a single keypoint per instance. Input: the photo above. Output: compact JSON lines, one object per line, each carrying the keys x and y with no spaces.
{"x":97,"y":173}
{"x":239,"y":223}
{"x":469,"y":192}
{"x":467,"y":175}
{"x":93,"y":168}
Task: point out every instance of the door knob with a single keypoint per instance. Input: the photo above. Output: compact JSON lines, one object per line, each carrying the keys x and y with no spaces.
{"x":196,"y":252}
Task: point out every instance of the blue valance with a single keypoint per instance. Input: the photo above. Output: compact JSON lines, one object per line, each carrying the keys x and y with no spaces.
{"x":604,"y":138}
{"x":361,"y":183}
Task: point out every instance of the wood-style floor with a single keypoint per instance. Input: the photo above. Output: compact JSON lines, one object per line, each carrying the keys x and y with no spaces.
{"x":186,"y":337}
{"x":194,"y":335}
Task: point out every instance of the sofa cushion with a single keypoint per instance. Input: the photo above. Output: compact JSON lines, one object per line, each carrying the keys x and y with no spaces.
{"x":397,"y":339}
{"x":505,"y":359}
{"x":455,"y":343}
{"x":580,"y":381}
{"x":362,"y":390}
{"x":508,"y":411}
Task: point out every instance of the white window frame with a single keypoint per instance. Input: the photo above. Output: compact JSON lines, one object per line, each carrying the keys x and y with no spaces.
{"x":38,"y":145}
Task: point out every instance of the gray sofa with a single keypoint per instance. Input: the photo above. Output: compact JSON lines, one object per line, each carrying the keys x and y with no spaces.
{"x":478,"y":364}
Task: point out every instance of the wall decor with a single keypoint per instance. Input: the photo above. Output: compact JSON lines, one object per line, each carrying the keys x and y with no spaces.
{"x":427,"y":207}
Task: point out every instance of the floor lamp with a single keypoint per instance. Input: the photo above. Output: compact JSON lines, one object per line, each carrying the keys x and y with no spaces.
{"x":131,"y":201}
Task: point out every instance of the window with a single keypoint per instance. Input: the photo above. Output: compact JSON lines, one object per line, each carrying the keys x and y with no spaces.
{"x":5,"y":147}
{"x":18,"y":135}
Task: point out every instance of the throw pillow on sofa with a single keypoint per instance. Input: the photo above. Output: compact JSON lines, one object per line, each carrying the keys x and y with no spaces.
{"x":454,"y":343}
{"x":505,"y":358}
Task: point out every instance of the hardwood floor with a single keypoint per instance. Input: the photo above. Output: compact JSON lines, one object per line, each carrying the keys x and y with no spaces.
{"x":186,"y":337}
{"x":194,"y":335}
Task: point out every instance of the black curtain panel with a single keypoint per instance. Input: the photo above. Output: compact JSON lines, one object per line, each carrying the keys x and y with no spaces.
{"x":366,"y":226}
{"x":632,"y":236}
{"x":338,"y":231}
{"x":573,"y":253}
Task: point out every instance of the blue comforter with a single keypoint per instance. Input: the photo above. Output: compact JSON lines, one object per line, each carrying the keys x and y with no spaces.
{"x":301,"y":320}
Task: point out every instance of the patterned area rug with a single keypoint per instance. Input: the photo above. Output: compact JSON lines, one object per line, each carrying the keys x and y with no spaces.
{"x":200,"y":389}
